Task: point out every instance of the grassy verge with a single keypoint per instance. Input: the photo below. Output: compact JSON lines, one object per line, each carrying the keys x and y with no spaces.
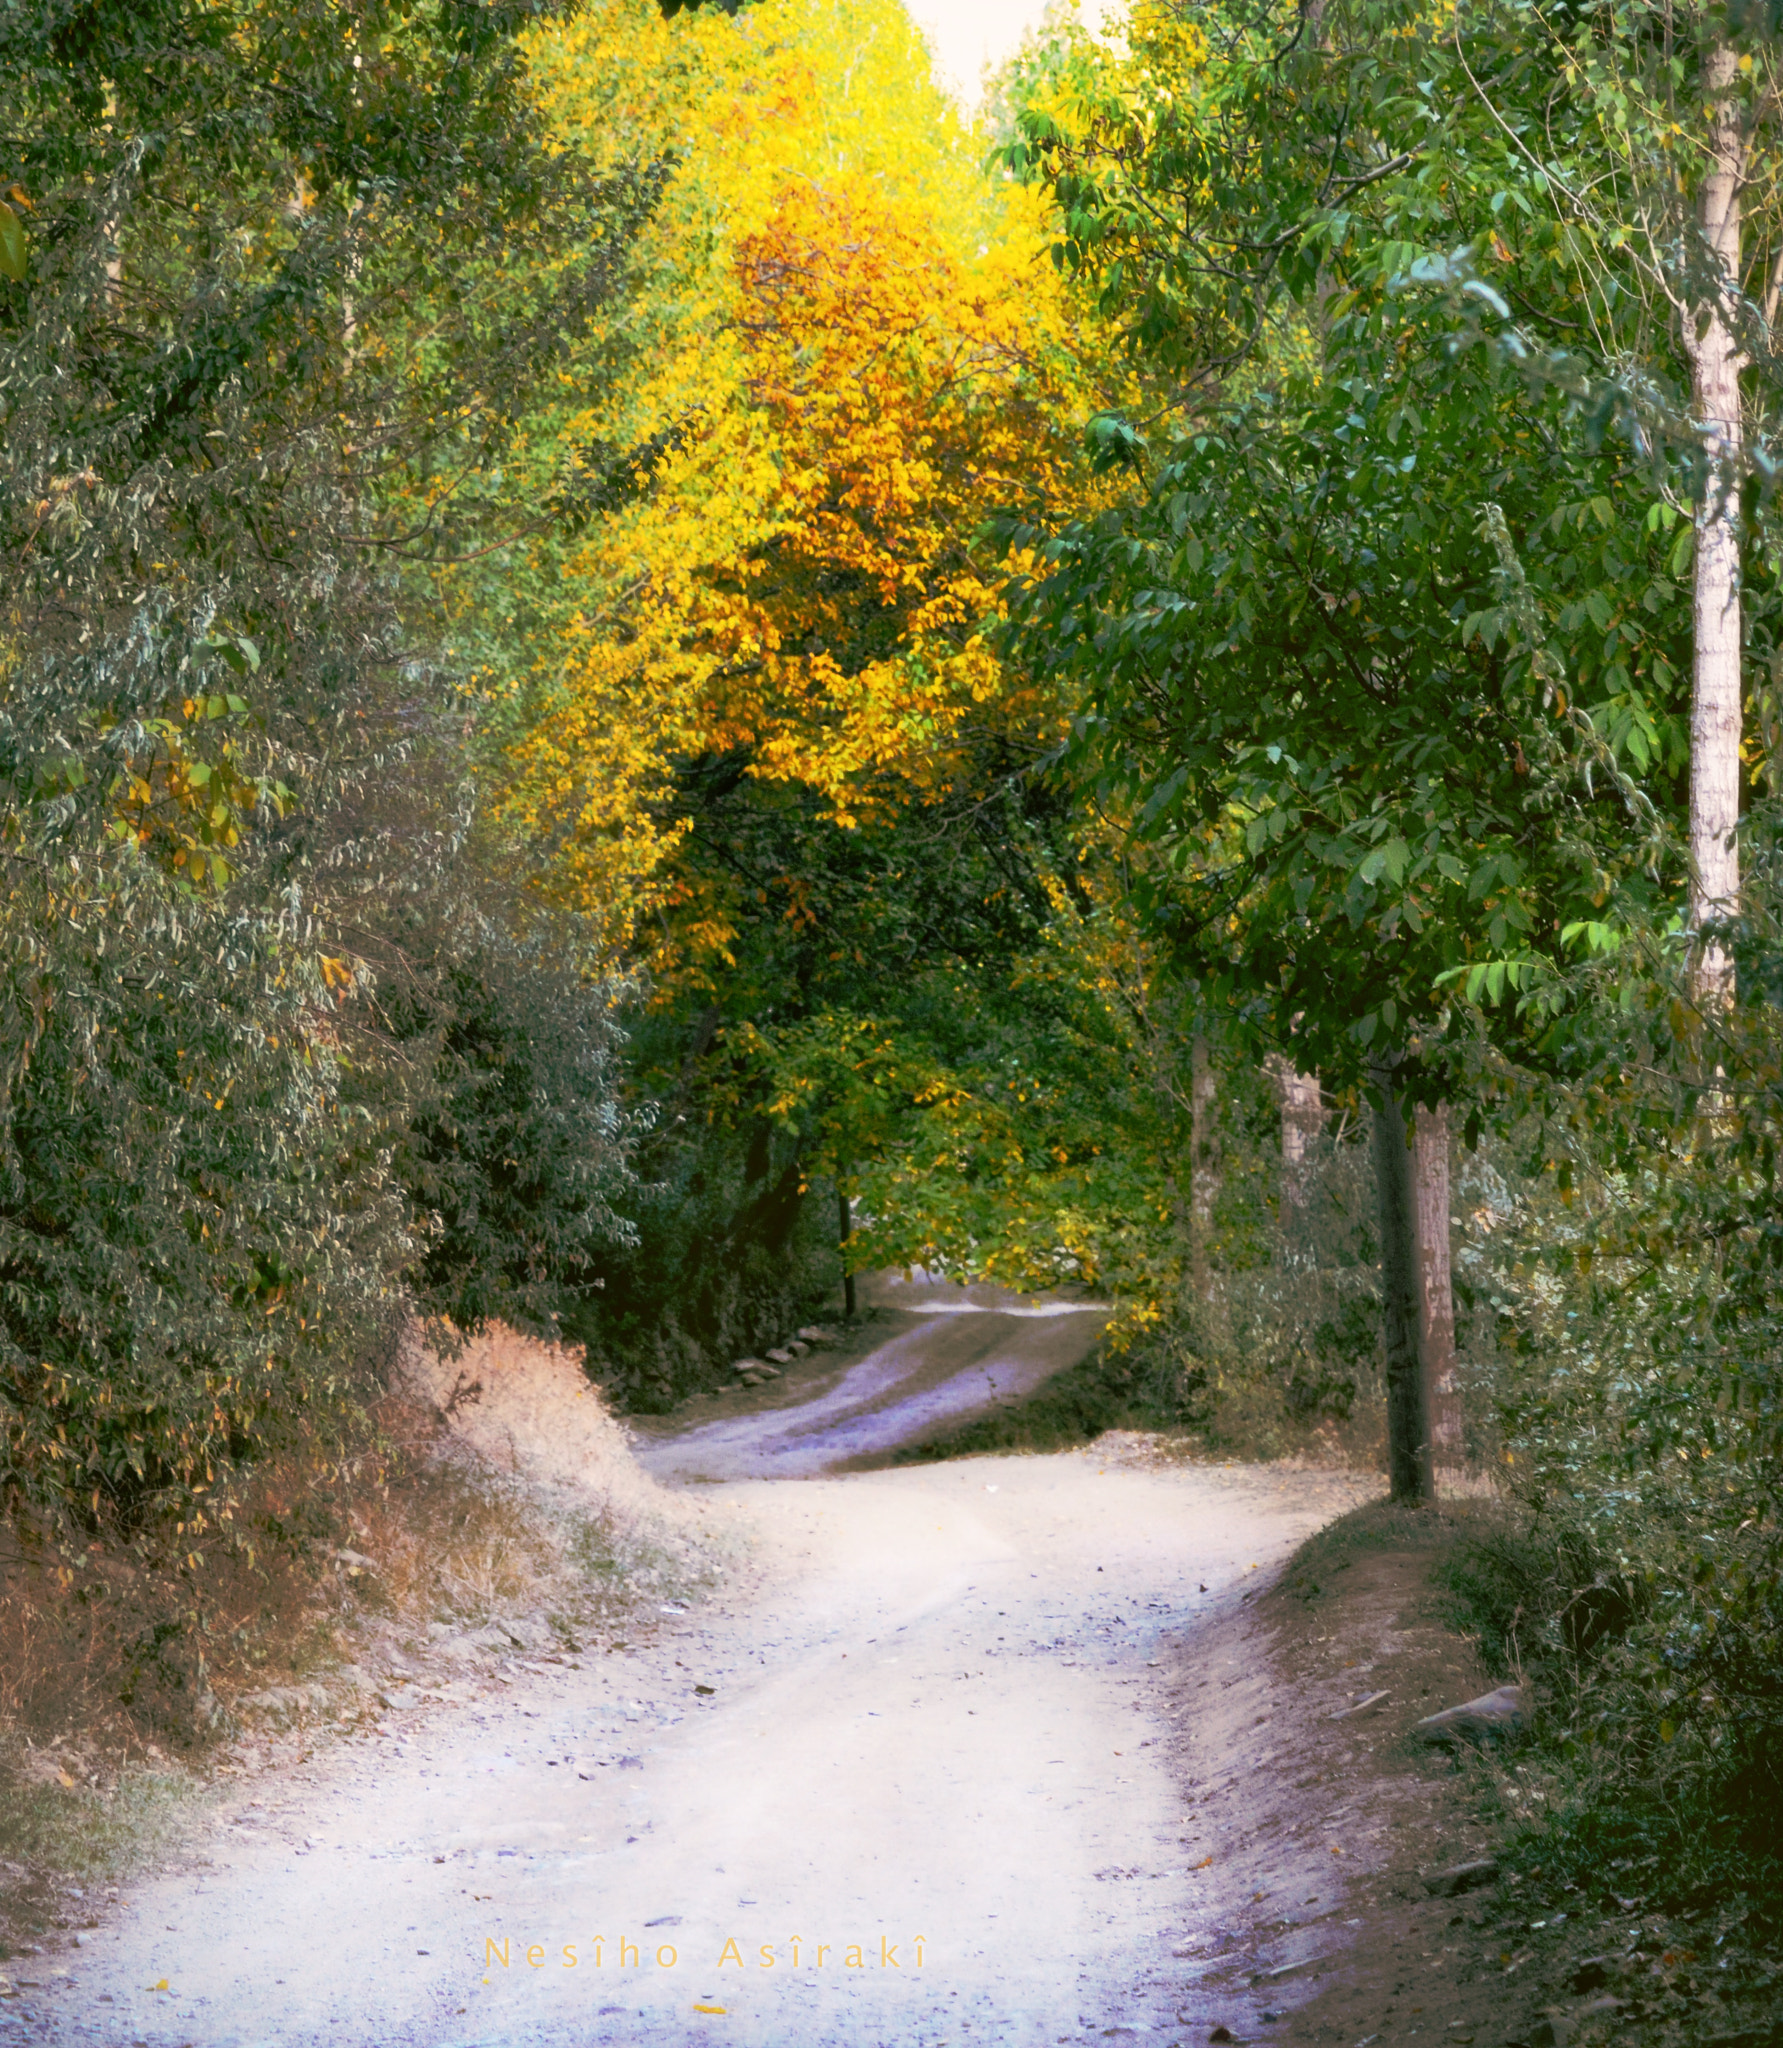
{"x":1627,"y":1826}
{"x":1439,"y":1533}
{"x":1075,"y":1406}
{"x":1227,"y":1416}
{"x":90,"y":1832}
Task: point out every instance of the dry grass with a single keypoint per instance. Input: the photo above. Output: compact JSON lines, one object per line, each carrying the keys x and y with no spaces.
{"x":529,"y":1480}
{"x":494,"y":1485}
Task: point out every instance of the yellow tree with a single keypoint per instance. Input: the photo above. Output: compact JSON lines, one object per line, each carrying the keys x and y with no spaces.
{"x":755,"y":716}
{"x":847,"y":352}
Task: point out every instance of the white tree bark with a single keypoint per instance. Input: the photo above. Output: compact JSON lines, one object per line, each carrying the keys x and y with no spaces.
{"x":1715,"y":715}
{"x":1303,"y":1118}
{"x":1436,"y":1291}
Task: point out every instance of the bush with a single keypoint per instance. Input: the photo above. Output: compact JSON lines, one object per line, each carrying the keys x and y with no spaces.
{"x":727,"y":1251}
{"x":197,"y":1248}
{"x":514,"y":1143}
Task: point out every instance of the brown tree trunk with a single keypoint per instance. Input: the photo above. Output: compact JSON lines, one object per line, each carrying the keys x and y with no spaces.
{"x":1436,"y":1297}
{"x":1203,"y":1161}
{"x":844,"y":1231}
{"x":1408,"y":1435}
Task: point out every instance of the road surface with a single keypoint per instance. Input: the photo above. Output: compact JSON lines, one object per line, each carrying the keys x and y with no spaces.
{"x":908,"y":1786}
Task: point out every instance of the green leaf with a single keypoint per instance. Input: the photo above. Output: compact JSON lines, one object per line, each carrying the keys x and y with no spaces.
{"x":13,"y":250}
{"x":1388,"y":861}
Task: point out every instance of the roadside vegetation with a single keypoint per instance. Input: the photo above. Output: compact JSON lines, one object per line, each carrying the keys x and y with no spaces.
{"x":643,"y":668}
{"x":1657,"y":1935}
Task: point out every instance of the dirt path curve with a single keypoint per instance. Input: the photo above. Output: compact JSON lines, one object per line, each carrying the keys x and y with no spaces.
{"x":933,"y":1718}
{"x":940,"y":1354}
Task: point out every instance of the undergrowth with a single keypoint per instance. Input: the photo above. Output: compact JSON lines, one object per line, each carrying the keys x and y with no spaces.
{"x":1148,"y":1387}
{"x":88,"y":1831}
{"x":1605,"y":1793}
{"x":1621,"y":1796}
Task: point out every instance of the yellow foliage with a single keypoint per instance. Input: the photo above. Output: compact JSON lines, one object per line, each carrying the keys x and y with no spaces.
{"x":859,"y":352}
{"x":184,"y":795}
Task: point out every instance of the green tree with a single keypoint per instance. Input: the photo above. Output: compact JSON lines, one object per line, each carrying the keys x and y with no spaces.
{"x":222,"y":226}
{"x":1386,"y":653}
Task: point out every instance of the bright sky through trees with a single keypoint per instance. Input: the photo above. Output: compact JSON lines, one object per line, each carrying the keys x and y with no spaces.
{"x":968,"y":35}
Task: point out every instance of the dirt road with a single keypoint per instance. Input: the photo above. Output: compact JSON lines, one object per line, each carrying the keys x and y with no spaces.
{"x":940,"y":1353}
{"x":907,"y":1786}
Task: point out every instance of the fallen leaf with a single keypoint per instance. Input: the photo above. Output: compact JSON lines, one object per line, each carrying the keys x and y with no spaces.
{"x":708,"y":1690}
{"x":1204,"y":1863}
{"x":709,"y":2008}
{"x":162,"y":1986}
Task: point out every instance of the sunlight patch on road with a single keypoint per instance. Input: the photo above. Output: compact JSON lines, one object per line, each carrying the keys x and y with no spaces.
{"x":978,"y":1308}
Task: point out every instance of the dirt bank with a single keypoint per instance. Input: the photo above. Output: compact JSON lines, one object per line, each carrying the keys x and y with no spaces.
{"x":1334,"y":1911}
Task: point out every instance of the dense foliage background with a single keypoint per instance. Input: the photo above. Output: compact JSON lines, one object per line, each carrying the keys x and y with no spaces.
{"x":621,"y":633}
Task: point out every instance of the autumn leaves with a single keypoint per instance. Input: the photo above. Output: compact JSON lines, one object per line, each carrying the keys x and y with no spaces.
{"x":871,"y":362}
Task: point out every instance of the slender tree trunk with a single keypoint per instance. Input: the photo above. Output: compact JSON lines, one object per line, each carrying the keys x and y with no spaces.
{"x":114,"y":267}
{"x":1204,"y":1162}
{"x":1436,"y":1297}
{"x":1303,"y":1117}
{"x":844,"y":1231}
{"x":1715,"y":711}
{"x":1408,"y":1435}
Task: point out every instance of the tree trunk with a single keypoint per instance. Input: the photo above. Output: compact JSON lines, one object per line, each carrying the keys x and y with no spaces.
{"x":1715,"y":709}
{"x":1303,"y":1118}
{"x":1408,"y":1437}
{"x":1436,"y":1298}
{"x":844,"y":1231}
{"x":1203,"y":1161}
